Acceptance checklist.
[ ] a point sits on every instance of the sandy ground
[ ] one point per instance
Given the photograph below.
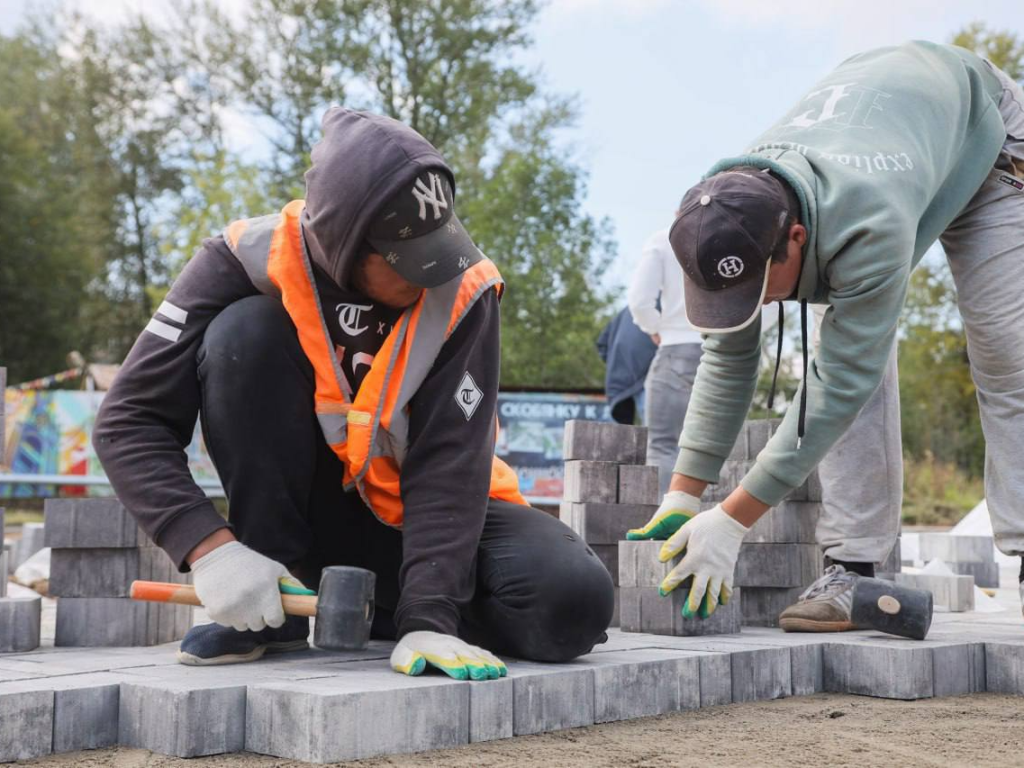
(981, 730)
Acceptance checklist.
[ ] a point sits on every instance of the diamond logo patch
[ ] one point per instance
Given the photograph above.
(468, 396)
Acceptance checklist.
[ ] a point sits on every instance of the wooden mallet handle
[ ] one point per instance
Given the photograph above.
(185, 594)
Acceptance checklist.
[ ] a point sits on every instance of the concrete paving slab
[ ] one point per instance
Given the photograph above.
(638, 485)
(887, 671)
(19, 623)
(89, 523)
(791, 522)
(955, 593)
(605, 523)
(593, 481)
(363, 713)
(1004, 668)
(807, 669)
(715, 679)
(763, 605)
(551, 697)
(604, 441)
(764, 673)
(85, 708)
(985, 575)
(645, 683)
(490, 704)
(778, 565)
(184, 719)
(958, 669)
(105, 621)
(108, 572)
(955, 548)
(26, 724)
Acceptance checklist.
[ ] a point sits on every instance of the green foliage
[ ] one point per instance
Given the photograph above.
(1003, 48)
(937, 395)
(525, 214)
(937, 492)
(53, 227)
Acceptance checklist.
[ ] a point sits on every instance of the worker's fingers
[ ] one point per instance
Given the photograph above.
(407, 661)
(697, 590)
(661, 526)
(675, 544)
(491, 660)
(726, 595)
(477, 666)
(711, 597)
(675, 577)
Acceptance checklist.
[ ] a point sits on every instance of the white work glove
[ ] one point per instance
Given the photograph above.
(455, 657)
(712, 543)
(676, 508)
(240, 587)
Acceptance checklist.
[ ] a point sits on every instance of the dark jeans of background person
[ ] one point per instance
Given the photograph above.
(541, 593)
(668, 387)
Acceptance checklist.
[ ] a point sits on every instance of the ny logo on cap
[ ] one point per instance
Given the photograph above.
(730, 267)
(432, 196)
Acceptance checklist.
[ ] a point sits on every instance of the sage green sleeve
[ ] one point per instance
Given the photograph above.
(722, 393)
(857, 335)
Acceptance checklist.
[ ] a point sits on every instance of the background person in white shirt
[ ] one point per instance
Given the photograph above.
(670, 378)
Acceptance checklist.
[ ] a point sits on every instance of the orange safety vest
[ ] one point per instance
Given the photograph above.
(369, 434)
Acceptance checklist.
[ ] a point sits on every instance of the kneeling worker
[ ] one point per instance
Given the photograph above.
(343, 359)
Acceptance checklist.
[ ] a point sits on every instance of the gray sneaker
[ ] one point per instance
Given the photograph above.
(824, 606)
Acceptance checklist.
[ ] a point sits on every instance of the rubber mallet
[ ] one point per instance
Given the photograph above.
(890, 608)
(343, 608)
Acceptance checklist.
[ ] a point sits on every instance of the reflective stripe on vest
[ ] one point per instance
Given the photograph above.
(369, 435)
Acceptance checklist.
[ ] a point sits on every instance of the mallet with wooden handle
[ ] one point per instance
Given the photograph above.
(343, 608)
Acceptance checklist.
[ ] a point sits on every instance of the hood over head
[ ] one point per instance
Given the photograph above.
(360, 162)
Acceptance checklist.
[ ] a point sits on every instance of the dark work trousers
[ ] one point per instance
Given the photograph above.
(541, 593)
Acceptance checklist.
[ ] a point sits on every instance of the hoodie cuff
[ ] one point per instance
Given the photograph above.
(427, 617)
(698, 465)
(183, 533)
(765, 487)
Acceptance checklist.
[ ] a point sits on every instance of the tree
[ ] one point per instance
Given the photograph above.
(55, 226)
(937, 394)
(447, 68)
(1003, 48)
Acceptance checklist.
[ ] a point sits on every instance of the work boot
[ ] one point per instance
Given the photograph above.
(824, 606)
(210, 644)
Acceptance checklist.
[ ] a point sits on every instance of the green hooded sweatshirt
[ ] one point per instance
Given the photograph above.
(883, 154)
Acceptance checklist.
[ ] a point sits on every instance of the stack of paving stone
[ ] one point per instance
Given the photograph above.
(31, 541)
(965, 555)
(97, 551)
(953, 592)
(19, 616)
(644, 609)
(608, 489)
(779, 558)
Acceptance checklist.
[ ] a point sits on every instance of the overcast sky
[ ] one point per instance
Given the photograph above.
(667, 87)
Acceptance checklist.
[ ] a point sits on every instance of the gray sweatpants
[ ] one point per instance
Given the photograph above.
(862, 477)
(667, 392)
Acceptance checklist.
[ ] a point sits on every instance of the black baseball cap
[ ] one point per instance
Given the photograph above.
(723, 238)
(419, 234)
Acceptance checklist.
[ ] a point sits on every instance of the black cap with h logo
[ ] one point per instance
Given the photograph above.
(723, 239)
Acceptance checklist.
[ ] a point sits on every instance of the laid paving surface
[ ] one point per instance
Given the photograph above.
(322, 707)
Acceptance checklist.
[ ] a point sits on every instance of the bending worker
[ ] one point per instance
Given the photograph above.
(343, 358)
(835, 205)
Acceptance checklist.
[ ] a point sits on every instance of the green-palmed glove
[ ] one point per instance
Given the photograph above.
(712, 544)
(675, 510)
(455, 657)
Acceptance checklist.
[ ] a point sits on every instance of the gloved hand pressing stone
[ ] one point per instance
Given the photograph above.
(712, 544)
(455, 657)
(676, 508)
(240, 588)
